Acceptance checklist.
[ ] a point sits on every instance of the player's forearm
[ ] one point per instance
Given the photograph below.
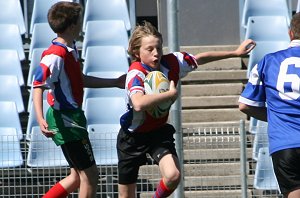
(95, 82)
(259, 113)
(206, 57)
(38, 102)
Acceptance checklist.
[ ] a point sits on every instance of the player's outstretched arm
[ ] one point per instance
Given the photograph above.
(95, 82)
(244, 48)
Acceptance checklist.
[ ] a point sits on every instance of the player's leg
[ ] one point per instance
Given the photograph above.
(88, 182)
(79, 155)
(126, 190)
(170, 171)
(294, 194)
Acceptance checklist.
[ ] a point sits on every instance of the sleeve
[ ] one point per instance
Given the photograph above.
(48, 70)
(135, 82)
(187, 63)
(254, 92)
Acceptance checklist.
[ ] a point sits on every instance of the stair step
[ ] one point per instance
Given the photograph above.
(215, 76)
(215, 154)
(207, 169)
(212, 115)
(207, 194)
(212, 89)
(196, 102)
(231, 127)
(211, 142)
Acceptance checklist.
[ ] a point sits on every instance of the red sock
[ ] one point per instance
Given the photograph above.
(162, 190)
(57, 191)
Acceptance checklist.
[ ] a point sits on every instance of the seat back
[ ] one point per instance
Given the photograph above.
(11, 39)
(10, 91)
(106, 58)
(9, 117)
(43, 152)
(10, 152)
(11, 65)
(106, 10)
(264, 8)
(105, 32)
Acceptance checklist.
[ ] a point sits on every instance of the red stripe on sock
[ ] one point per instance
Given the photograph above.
(57, 191)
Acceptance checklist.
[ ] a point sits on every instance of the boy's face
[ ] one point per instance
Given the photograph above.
(150, 51)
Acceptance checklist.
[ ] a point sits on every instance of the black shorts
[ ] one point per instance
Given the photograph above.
(287, 169)
(133, 149)
(79, 154)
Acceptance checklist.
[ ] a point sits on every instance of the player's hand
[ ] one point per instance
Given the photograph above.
(121, 81)
(44, 128)
(245, 47)
(173, 90)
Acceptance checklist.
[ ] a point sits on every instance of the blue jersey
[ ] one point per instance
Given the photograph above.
(275, 82)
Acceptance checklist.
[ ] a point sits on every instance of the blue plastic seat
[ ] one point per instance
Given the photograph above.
(40, 10)
(11, 13)
(42, 36)
(267, 28)
(264, 177)
(103, 92)
(11, 65)
(261, 138)
(105, 32)
(10, 152)
(43, 152)
(32, 119)
(9, 117)
(11, 39)
(34, 63)
(105, 58)
(264, 8)
(10, 91)
(262, 48)
(108, 10)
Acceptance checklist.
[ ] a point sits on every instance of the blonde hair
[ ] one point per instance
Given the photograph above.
(142, 30)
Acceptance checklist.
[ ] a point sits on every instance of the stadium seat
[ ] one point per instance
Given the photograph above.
(105, 58)
(106, 10)
(298, 6)
(104, 110)
(11, 13)
(43, 152)
(103, 92)
(105, 32)
(32, 120)
(11, 39)
(264, 8)
(42, 35)
(262, 48)
(264, 177)
(10, 152)
(11, 65)
(10, 91)
(9, 117)
(260, 139)
(267, 28)
(34, 63)
(104, 140)
(40, 11)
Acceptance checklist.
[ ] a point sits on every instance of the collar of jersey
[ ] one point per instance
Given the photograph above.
(148, 68)
(69, 49)
(295, 43)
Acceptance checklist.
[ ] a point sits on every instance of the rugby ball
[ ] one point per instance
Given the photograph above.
(156, 82)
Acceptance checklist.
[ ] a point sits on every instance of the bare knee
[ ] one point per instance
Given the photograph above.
(172, 179)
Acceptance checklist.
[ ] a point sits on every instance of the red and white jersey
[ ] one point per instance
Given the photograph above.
(60, 71)
(175, 66)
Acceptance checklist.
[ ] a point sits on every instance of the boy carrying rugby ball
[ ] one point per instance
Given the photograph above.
(142, 134)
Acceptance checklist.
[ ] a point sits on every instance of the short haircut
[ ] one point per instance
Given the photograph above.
(142, 30)
(63, 14)
(295, 25)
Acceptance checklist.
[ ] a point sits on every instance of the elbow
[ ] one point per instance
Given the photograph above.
(243, 108)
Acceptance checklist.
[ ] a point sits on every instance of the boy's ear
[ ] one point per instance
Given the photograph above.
(291, 34)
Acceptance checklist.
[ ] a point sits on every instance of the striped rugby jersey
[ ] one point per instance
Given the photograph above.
(60, 71)
(175, 66)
